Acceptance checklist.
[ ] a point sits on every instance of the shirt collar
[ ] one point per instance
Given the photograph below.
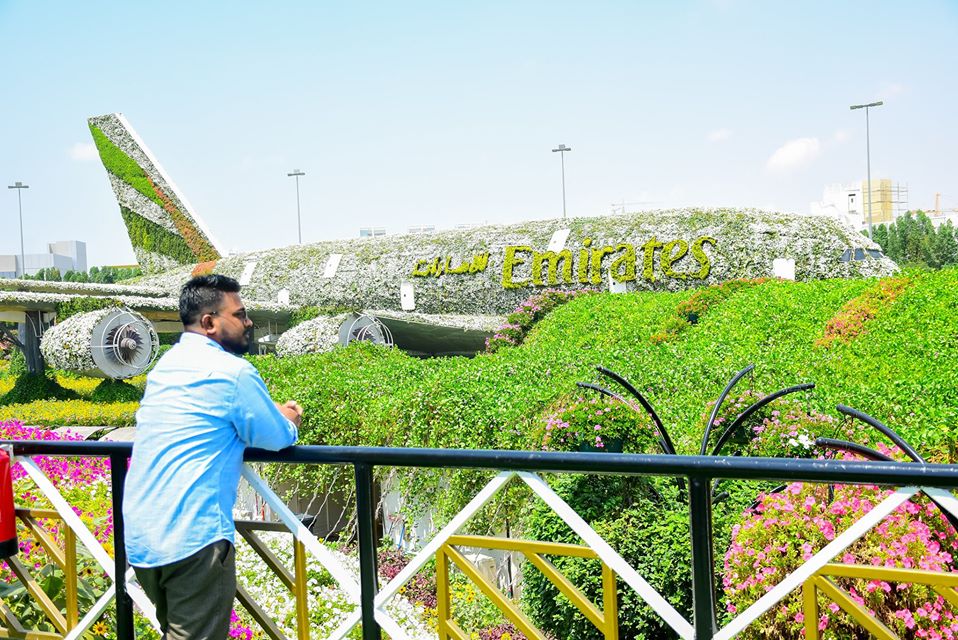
(188, 337)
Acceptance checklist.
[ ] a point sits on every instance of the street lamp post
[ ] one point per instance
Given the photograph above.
(299, 224)
(868, 158)
(19, 186)
(561, 149)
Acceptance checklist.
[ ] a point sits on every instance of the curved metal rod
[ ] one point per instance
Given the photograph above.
(780, 488)
(602, 390)
(612, 394)
(752, 409)
(718, 405)
(669, 447)
(854, 447)
(871, 454)
(894, 437)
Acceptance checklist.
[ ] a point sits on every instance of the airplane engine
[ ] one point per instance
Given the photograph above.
(112, 343)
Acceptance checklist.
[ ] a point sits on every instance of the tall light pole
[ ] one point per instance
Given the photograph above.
(561, 149)
(299, 224)
(19, 186)
(868, 158)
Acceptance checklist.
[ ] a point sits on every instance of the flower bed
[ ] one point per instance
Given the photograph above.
(786, 529)
(526, 315)
(598, 424)
(850, 321)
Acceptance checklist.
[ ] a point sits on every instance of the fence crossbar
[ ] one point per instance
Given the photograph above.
(73, 521)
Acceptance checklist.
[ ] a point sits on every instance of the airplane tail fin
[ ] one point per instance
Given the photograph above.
(163, 228)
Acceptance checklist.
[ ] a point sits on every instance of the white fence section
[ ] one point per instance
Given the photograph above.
(85, 536)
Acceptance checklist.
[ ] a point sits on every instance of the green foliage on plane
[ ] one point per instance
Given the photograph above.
(123, 166)
(149, 236)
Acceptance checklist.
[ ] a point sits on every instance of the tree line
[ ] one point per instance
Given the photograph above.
(100, 275)
(912, 239)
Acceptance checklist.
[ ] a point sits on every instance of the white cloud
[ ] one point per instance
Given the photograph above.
(842, 135)
(794, 154)
(84, 152)
(892, 89)
(719, 135)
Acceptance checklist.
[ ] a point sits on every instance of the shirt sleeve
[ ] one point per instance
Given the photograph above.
(258, 421)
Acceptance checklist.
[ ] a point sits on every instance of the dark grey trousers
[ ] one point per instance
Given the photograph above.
(194, 596)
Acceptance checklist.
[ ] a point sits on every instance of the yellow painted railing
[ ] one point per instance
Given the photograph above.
(944, 584)
(295, 581)
(65, 558)
(606, 620)
(37, 525)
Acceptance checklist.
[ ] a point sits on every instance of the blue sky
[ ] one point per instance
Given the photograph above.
(407, 113)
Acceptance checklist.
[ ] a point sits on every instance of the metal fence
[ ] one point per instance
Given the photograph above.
(698, 471)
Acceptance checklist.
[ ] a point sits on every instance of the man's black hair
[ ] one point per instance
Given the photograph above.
(204, 294)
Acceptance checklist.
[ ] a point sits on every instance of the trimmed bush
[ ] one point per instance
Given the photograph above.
(116, 391)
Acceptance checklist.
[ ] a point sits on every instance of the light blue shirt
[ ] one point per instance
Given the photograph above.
(202, 407)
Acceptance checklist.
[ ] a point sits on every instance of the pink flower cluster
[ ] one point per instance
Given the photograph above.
(595, 422)
(62, 472)
(519, 322)
(788, 528)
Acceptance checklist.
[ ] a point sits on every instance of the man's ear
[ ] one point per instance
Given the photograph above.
(206, 322)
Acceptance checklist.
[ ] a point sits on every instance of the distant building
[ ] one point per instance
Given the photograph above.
(372, 232)
(850, 202)
(66, 255)
(423, 228)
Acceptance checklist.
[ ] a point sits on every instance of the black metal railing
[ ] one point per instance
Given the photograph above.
(699, 471)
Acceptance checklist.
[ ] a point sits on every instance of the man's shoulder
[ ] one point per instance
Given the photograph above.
(206, 356)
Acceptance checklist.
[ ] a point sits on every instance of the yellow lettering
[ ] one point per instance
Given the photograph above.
(552, 271)
(623, 267)
(479, 263)
(648, 264)
(597, 255)
(509, 263)
(417, 271)
(698, 252)
(667, 259)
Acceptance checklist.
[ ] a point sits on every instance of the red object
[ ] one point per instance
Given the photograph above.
(8, 515)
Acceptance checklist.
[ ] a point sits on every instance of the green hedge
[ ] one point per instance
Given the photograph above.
(75, 306)
(149, 236)
(903, 369)
(123, 166)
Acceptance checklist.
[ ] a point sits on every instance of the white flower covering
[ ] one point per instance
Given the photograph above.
(466, 323)
(135, 201)
(328, 605)
(83, 288)
(318, 335)
(372, 270)
(67, 345)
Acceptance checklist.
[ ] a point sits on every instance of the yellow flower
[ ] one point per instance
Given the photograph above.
(506, 636)
(99, 629)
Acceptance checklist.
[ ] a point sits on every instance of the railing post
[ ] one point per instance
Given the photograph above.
(124, 605)
(703, 584)
(368, 572)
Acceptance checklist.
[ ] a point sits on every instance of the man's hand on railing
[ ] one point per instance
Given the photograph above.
(292, 411)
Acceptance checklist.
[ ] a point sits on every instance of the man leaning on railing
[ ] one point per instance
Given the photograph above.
(202, 407)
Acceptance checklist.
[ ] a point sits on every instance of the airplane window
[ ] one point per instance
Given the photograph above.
(859, 255)
(846, 256)
(875, 253)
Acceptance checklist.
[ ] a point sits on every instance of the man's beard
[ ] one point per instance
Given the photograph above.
(240, 346)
